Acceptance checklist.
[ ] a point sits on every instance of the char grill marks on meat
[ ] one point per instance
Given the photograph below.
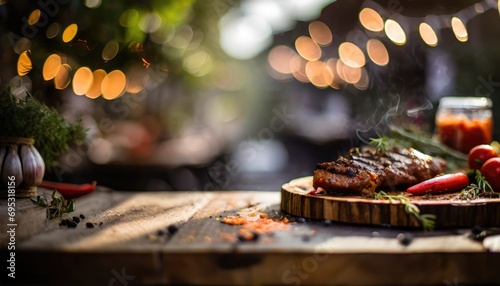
(365, 169)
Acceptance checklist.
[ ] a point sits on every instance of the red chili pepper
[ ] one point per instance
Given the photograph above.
(441, 184)
(70, 191)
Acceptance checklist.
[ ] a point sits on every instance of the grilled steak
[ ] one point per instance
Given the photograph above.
(365, 169)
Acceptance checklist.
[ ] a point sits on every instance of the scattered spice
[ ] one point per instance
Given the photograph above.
(404, 239)
(247, 235)
(71, 224)
(251, 229)
(160, 232)
(300, 220)
(90, 225)
(82, 216)
(76, 219)
(263, 215)
(172, 229)
(234, 220)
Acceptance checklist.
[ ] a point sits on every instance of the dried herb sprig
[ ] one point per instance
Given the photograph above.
(428, 220)
(57, 207)
(474, 190)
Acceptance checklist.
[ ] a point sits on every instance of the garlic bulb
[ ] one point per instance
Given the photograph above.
(32, 169)
(39, 161)
(12, 167)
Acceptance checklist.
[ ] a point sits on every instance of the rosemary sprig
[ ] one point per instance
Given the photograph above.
(383, 143)
(474, 190)
(426, 144)
(428, 220)
(57, 207)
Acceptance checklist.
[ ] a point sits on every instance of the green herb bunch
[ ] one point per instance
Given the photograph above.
(30, 118)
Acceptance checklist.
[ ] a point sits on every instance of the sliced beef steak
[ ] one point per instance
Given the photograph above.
(365, 169)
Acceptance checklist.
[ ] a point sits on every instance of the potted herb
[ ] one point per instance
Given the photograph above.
(32, 136)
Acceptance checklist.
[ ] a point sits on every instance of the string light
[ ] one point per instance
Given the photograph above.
(427, 34)
(351, 55)
(395, 32)
(306, 64)
(51, 66)
(377, 52)
(459, 29)
(371, 20)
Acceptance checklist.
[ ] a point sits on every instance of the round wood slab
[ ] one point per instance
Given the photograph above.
(450, 211)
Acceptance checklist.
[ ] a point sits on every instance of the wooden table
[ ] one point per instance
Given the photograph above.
(133, 246)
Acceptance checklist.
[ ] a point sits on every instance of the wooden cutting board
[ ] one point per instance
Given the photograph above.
(450, 211)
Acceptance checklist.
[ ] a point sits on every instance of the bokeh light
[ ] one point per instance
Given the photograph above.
(427, 34)
(320, 33)
(51, 66)
(34, 16)
(21, 45)
(377, 52)
(459, 29)
(52, 30)
(371, 20)
(244, 37)
(307, 48)
(351, 55)
(198, 64)
(331, 75)
(364, 81)
(395, 32)
(69, 33)
(298, 68)
(110, 50)
(129, 18)
(315, 73)
(92, 3)
(137, 77)
(279, 59)
(95, 90)
(113, 85)
(63, 77)
(348, 74)
(82, 80)
(150, 22)
(24, 64)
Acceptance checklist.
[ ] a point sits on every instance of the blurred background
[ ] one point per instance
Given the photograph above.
(227, 94)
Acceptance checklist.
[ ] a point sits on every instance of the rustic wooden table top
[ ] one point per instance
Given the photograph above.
(132, 244)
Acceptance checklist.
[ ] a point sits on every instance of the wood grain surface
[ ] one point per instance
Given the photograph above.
(449, 210)
(133, 246)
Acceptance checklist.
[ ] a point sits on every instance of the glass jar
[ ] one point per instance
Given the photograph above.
(464, 122)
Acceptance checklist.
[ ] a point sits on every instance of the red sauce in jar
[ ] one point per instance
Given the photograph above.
(462, 133)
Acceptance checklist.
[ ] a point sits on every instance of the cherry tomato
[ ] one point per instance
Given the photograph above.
(479, 155)
(491, 172)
